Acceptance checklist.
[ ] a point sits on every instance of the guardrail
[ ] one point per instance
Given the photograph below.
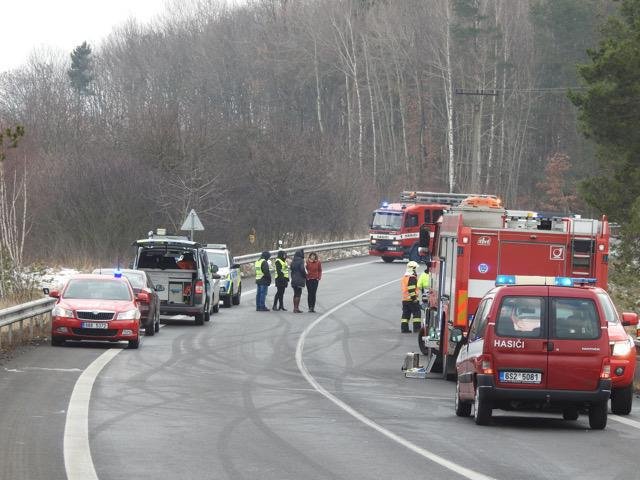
(320, 247)
(33, 316)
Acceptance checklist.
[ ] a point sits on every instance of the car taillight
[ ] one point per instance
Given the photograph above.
(485, 364)
(199, 287)
(605, 373)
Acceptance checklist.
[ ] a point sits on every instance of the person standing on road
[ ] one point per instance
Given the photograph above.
(410, 305)
(298, 278)
(314, 275)
(423, 285)
(282, 280)
(263, 280)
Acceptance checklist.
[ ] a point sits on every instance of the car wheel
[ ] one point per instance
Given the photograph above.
(57, 342)
(463, 409)
(207, 313)
(598, 416)
(482, 410)
(133, 344)
(199, 319)
(236, 298)
(226, 300)
(150, 329)
(621, 400)
(216, 307)
(570, 413)
(157, 322)
(388, 259)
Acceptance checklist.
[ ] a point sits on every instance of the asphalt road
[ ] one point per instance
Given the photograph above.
(277, 395)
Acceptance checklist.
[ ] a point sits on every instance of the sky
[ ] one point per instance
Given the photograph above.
(26, 25)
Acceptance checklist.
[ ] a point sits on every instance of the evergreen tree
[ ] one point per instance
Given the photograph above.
(610, 116)
(81, 71)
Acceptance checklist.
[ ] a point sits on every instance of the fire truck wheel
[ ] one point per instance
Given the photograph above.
(621, 400)
(447, 362)
(388, 259)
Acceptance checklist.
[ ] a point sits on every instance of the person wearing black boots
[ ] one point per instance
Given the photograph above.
(314, 275)
(282, 280)
(298, 279)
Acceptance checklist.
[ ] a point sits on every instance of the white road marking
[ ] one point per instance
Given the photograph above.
(77, 452)
(625, 420)
(454, 467)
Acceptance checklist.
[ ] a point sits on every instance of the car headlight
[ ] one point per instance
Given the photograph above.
(133, 314)
(622, 349)
(373, 241)
(59, 311)
(395, 242)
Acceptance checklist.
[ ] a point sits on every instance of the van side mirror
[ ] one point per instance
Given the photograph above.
(213, 268)
(457, 335)
(629, 319)
(235, 265)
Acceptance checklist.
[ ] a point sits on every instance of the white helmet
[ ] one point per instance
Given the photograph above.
(413, 265)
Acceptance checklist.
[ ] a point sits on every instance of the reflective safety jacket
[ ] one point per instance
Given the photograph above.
(409, 284)
(424, 281)
(282, 268)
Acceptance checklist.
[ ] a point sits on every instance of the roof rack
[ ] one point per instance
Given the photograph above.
(442, 198)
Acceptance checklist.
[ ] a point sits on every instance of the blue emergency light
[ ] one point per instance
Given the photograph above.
(505, 280)
(117, 273)
(563, 282)
(384, 205)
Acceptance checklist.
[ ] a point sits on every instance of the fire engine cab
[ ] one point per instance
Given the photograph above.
(479, 240)
(398, 229)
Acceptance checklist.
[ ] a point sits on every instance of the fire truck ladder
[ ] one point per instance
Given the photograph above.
(583, 246)
(451, 199)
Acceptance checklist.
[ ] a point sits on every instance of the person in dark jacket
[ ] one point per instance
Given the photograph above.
(314, 274)
(298, 279)
(282, 280)
(263, 280)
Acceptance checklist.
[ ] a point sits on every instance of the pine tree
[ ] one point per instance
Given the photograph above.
(81, 71)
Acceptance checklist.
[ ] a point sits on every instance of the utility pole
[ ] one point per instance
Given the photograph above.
(476, 150)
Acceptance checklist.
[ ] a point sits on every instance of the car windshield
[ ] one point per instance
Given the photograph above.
(387, 220)
(97, 289)
(217, 258)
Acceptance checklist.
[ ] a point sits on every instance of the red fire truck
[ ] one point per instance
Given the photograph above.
(396, 228)
(479, 240)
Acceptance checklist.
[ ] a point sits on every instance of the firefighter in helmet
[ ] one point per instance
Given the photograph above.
(410, 305)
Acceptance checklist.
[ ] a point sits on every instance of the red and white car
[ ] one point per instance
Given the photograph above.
(95, 307)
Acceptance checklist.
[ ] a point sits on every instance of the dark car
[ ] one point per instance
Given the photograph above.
(148, 305)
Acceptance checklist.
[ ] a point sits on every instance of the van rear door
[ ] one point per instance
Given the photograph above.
(519, 342)
(578, 340)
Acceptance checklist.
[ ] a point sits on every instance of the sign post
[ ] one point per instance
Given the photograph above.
(191, 223)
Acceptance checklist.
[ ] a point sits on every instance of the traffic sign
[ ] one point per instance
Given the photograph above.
(192, 222)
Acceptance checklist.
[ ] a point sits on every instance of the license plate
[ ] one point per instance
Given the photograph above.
(520, 377)
(103, 325)
(391, 249)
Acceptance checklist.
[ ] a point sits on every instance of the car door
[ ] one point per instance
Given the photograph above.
(578, 341)
(519, 344)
